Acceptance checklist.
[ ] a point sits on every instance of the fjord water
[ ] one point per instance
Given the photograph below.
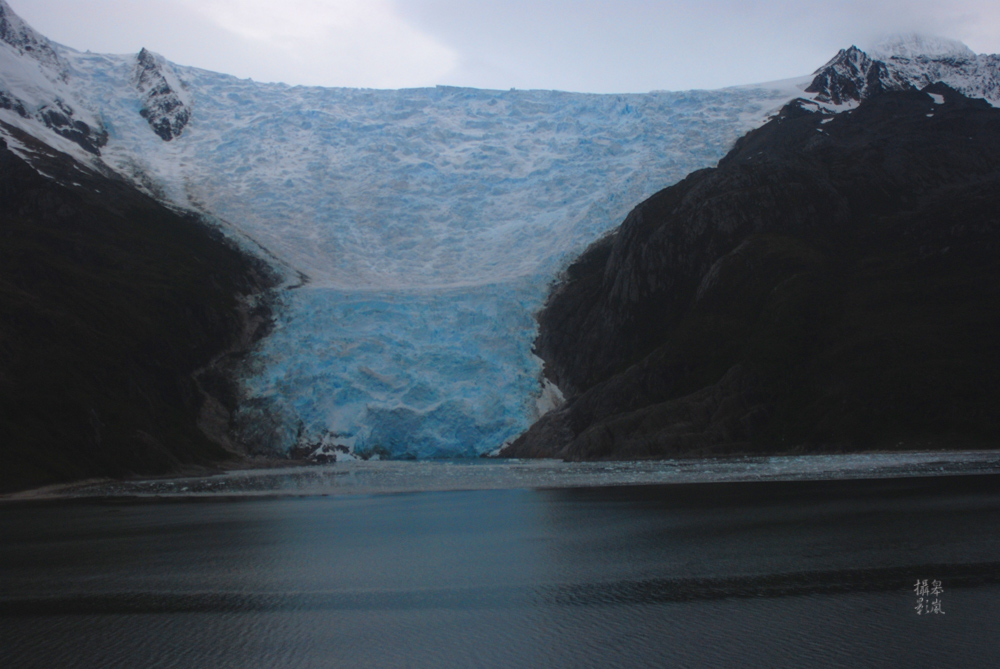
(792, 573)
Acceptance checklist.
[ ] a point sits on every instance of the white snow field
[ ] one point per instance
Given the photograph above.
(428, 223)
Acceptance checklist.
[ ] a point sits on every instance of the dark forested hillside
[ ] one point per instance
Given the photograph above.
(109, 305)
(833, 284)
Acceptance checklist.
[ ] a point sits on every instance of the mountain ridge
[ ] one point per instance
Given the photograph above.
(831, 285)
(121, 325)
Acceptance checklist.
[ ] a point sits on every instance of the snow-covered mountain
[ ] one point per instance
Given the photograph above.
(425, 225)
(36, 90)
(907, 61)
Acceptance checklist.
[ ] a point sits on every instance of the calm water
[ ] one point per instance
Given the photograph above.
(801, 573)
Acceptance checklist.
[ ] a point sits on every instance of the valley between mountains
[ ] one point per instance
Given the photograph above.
(196, 268)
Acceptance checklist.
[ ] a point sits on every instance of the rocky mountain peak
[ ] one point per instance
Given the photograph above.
(30, 58)
(18, 34)
(146, 59)
(906, 61)
(164, 103)
(851, 76)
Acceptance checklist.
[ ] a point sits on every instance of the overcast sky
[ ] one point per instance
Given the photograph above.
(578, 45)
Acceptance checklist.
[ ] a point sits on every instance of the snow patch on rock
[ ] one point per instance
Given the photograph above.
(551, 398)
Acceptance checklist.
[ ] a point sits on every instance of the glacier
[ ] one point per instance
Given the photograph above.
(425, 227)
(430, 224)
(419, 229)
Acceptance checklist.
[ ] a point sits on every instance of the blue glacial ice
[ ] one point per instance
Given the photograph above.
(429, 223)
(440, 372)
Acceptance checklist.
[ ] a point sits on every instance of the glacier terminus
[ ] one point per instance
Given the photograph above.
(419, 230)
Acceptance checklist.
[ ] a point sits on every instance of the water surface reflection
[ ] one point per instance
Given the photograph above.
(779, 574)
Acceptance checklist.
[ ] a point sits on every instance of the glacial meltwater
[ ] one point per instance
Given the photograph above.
(840, 561)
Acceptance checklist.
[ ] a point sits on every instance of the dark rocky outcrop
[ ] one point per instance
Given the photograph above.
(833, 284)
(60, 118)
(16, 33)
(162, 106)
(58, 115)
(121, 322)
(852, 76)
(9, 101)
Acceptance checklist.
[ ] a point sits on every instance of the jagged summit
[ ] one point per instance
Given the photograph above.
(851, 76)
(18, 34)
(35, 85)
(906, 61)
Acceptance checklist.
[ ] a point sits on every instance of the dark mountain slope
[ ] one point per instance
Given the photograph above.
(109, 303)
(833, 284)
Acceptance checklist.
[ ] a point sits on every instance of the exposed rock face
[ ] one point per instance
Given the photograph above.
(833, 283)
(904, 62)
(9, 101)
(56, 114)
(22, 37)
(163, 104)
(120, 321)
(60, 117)
(853, 76)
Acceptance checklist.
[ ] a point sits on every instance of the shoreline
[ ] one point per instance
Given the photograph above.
(268, 477)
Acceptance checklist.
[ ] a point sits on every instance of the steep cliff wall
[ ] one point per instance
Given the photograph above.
(110, 305)
(833, 284)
